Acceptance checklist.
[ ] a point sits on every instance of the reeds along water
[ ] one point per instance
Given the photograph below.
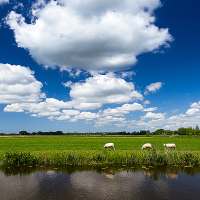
(102, 158)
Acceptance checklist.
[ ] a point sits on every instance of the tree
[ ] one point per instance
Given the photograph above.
(197, 128)
(23, 133)
(159, 132)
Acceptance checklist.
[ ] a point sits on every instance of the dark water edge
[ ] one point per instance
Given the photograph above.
(26, 170)
(99, 184)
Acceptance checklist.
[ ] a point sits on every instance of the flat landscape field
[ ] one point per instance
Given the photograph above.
(87, 143)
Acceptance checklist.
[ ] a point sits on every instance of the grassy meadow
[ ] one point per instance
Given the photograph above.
(61, 151)
(87, 143)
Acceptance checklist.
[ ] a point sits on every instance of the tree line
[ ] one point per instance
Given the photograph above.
(180, 131)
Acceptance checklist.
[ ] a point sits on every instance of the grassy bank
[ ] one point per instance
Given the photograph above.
(102, 159)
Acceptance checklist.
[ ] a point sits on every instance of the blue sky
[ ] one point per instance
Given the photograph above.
(70, 68)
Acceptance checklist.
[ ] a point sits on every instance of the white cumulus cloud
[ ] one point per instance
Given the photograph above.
(91, 94)
(153, 87)
(90, 34)
(104, 89)
(194, 109)
(122, 110)
(154, 116)
(95, 92)
(52, 109)
(48, 107)
(18, 84)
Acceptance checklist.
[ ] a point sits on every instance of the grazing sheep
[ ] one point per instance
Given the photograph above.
(109, 146)
(147, 146)
(170, 146)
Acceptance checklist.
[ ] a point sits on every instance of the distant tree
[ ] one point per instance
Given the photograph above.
(59, 133)
(23, 133)
(197, 128)
(144, 132)
(159, 132)
(185, 131)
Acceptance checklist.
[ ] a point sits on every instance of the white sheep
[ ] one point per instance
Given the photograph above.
(147, 146)
(109, 146)
(170, 146)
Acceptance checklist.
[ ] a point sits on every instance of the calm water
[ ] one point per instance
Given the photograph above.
(92, 185)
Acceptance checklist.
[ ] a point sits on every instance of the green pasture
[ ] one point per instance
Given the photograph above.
(89, 143)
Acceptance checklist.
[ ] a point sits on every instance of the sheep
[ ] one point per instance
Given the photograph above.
(147, 146)
(170, 146)
(109, 146)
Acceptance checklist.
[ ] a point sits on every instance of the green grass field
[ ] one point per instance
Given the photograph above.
(61, 151)
(87, 143)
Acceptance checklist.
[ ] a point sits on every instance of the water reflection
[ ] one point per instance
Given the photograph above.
(106, 185)
(155, 174)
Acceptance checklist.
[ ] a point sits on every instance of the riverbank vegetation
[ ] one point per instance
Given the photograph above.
(102, 159)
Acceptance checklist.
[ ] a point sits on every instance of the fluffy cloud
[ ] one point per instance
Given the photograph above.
(117, 114)
(90, 34)
(18, 84)
(20, 90)
(153, 87)
(52, 109)
(154, 116)
(103, 89)
(64, 111)
(153, 121)
(22, 93)
(194, 109)
(150, 120)
(91, 94)
(4, 1)
(86, 116)
(49, 107)
(150, 109)
(172, 122)
(122, 110)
